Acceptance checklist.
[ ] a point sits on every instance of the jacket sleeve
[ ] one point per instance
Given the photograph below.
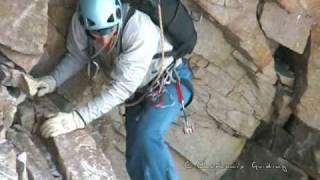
(140, 44)
(76, 57)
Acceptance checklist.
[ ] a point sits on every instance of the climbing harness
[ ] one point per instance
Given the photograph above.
(157, 88)
(157, 81)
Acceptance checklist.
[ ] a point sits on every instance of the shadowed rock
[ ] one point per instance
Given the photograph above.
(23, 31)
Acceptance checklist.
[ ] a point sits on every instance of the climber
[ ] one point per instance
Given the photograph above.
(97, 27)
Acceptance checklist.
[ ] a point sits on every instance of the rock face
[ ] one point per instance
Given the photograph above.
(227, 84)
(310, 7)
(297, 143)
(304, 151)
(36, 164)
(258, 163)
(22, 38)
(23, 31)
(7, 162)
(77, 154)
(240, 25)
(282, 27)
(18, 79)
(59, 16)
(81, 159)
(7, 110)
(245, 127)
(308, 110)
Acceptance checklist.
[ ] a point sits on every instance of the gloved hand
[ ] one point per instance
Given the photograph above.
(46, 84)
(61, 123)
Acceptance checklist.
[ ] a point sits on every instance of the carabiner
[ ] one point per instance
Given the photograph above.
(96, 69)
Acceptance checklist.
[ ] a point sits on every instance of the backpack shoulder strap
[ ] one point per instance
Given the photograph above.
(130, 13)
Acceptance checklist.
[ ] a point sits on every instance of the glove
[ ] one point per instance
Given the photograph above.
(61, 123)
(46, 84)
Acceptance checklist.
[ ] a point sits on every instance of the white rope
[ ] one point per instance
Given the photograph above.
(157, 81)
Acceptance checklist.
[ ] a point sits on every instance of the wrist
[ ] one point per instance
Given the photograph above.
(52, 81)
(79, 121)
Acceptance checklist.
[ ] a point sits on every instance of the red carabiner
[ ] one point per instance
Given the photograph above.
(179, 93)
(188, 126)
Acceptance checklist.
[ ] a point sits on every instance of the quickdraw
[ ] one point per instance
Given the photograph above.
(95, 69)
(188, 125)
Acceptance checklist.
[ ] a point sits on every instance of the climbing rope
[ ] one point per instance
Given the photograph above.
(158, 82)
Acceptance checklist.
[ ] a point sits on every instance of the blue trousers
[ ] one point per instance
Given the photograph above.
(147, 154)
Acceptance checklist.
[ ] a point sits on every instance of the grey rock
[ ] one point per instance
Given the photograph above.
(234, 98)
(2, 131)
(36, 165)
(292, 6)
(308, 109)
(256, 162)
(44, 107)
(304, 152)
(274, 138)
(227, 14)
(16, 78)
(235, 95)
(10, 76)
(55, 49)
(311, 8)
(113, 145)
(227, 3)
(7, 162)
(209, 36)
(290, 30)
(250, 66)
(59, 19)
(25, 61)
(241, 28)
(81, 158)
(22, 166)
(7, 110)
(207, 144)
(186, 170)
(5, 61)
(24, 29)
(118, 163)
(26, 115)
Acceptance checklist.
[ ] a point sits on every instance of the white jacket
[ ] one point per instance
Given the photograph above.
(134, 67)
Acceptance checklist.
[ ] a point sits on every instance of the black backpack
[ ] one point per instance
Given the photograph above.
(177, 23)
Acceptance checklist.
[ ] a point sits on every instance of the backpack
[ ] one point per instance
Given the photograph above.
(178, 26)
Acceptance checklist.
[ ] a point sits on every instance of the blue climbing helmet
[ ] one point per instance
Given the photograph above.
(100, 16)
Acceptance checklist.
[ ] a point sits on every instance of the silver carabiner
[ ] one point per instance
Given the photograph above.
(96, 69)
